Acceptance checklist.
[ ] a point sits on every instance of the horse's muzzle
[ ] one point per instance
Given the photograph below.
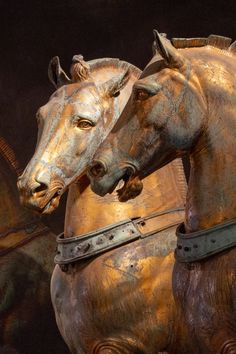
(98, 169)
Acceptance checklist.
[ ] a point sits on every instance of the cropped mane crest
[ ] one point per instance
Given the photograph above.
(113, 62)
(165, 52)
(213, 40)
(79, 69)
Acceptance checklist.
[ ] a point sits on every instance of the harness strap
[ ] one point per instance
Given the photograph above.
(93, 243)
(19, 236)
(199, 245)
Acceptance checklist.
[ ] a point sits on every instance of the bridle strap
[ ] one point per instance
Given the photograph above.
(82, 247)
(202, 244)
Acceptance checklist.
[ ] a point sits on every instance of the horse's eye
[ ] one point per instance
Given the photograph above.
(141, 95)
(83, 124)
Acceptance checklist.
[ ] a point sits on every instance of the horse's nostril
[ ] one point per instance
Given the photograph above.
(98, 169)
(41, 188)
(41, 183)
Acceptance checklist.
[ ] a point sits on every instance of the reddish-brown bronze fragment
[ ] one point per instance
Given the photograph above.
(27, 323)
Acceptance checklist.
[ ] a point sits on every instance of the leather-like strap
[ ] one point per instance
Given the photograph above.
(202, 244)
(20, 235)
(91, 244)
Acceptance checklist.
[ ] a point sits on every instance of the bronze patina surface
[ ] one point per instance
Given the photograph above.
(184, 102)
(121, 301)
(27, 323)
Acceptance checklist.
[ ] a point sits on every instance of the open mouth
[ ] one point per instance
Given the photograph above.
(124, 181)
(46, 203)
(131, 188)
(52, 204)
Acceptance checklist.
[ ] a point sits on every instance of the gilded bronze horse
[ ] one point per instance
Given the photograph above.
(184, 103)
(120, 301)
(27, 322)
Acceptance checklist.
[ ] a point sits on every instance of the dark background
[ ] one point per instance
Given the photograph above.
(34, 31)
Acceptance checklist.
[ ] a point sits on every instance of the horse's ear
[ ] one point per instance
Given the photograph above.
(113, 86)
(56, 74)
(168, 52)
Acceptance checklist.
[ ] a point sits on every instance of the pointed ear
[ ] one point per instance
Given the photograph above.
(56, 74)
(113, 86)
(168, 52)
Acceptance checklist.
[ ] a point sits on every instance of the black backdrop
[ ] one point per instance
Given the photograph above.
(33, 31)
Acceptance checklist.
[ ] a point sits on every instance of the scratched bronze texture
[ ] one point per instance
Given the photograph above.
(122, 301)
(184, 103)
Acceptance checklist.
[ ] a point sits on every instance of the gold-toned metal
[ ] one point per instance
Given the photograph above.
(162, 191)
(189, 107)
(121, 301)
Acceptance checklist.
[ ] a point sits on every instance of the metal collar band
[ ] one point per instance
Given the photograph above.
(91, 244)
(202, 244)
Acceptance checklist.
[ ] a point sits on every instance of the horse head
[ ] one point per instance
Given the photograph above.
(72, 124)
(165, 114)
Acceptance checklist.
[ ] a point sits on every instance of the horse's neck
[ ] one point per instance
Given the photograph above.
(11, 212)
(212, 185)
(87, 212)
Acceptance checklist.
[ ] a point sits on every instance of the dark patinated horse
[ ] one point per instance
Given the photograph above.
(27, 322)
(119, 301)
(185, 102)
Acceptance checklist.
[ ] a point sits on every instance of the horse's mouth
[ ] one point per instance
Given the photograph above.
(52, 204)
(45, 204)
(132, 187)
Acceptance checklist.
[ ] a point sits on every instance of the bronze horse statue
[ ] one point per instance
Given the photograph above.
(118, 301)
(27, 321)
(184, 103)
